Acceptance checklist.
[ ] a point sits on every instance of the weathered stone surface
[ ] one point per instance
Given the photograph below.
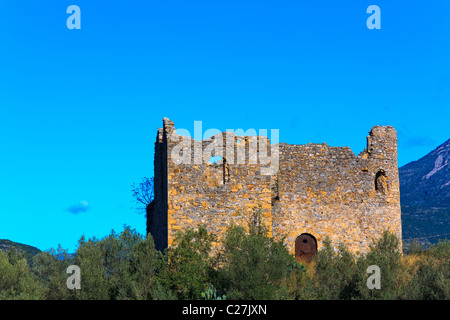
(318, 189)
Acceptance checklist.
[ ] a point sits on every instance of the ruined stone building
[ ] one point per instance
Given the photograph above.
(315, 191)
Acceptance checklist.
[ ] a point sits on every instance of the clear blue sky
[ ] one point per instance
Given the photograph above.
(79, 109)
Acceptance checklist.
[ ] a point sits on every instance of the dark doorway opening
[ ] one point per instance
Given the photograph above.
(305, 247)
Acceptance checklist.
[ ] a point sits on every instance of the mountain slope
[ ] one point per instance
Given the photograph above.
(27, 250)
(425, 196)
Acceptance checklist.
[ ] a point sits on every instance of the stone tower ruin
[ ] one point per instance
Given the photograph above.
(315, 191)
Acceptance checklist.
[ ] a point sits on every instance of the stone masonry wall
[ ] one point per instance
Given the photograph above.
(211, 194)
(329, 191)
(157, 209)
(318, 189)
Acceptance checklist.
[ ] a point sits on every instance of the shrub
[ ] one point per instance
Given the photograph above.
(431, 280)
(189, 269)
(119, 266)
(50, 266)
(17, 282)
(253, 265)
(384, 253)
(335, 272)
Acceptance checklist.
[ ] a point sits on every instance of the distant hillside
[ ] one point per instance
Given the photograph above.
(27, 250)
(425, 196)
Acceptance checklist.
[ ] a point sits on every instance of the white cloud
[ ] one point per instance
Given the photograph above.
(83, 206)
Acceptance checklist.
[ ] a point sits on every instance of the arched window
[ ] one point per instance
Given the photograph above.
(215, 160)
(381, 183)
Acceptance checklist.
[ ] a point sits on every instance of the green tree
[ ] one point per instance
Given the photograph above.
(335, 272)
(50, 266)
(17, 282)
(431, 281)
(119, 266)
(254, 265)
(131, 264)
(384, 253)
(90, 257)
(189, 268)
